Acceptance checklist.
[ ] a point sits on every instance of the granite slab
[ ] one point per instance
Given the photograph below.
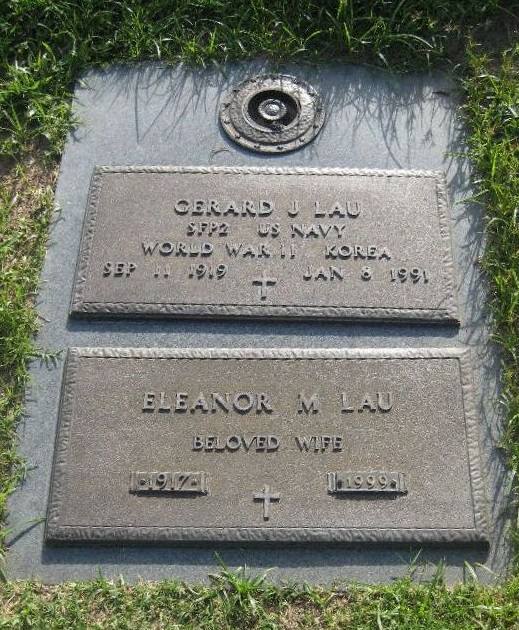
(168, 116)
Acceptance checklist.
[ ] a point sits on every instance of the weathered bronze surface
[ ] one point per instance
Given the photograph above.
(249, 242)
(272, 113)
(163, 445)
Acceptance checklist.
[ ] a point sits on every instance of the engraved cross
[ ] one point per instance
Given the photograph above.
(264, 282)
(266, 496)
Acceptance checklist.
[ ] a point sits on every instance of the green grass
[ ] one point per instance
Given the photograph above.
(44, 47)
(492, 116)
(242, 601)
(492, 112)
(45, 44)
(25, 207)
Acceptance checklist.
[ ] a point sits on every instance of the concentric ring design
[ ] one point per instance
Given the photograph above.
(272, 113)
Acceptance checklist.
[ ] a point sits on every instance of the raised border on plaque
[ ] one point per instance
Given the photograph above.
(445, 308)
(58, 531)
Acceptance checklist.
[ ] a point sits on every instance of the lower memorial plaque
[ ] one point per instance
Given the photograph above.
(253, 242)
(259, 445)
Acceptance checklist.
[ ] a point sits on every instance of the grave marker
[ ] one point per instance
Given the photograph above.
(165, 446)
(265, 242)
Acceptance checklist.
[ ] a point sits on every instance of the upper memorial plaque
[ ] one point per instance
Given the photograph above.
(265, 242)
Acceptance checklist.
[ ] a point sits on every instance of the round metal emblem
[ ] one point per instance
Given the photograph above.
(272, 113)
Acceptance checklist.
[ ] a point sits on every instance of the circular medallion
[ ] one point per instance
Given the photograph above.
(272, 113)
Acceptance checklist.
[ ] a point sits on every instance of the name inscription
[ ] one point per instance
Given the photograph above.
(266, 243)
(251, 445)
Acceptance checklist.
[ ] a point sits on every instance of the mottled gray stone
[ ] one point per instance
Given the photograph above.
(153, 115)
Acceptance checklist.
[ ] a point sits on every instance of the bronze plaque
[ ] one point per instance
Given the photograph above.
(260, 242)
(272, 445)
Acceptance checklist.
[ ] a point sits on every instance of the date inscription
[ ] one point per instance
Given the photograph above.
(261, 242)
(168, 482)
(366, 482)
(248, 445)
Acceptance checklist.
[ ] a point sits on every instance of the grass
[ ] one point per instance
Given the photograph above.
(25, 208)
(243, 601)
(492, 111)
(45, 44)
(44, 47)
